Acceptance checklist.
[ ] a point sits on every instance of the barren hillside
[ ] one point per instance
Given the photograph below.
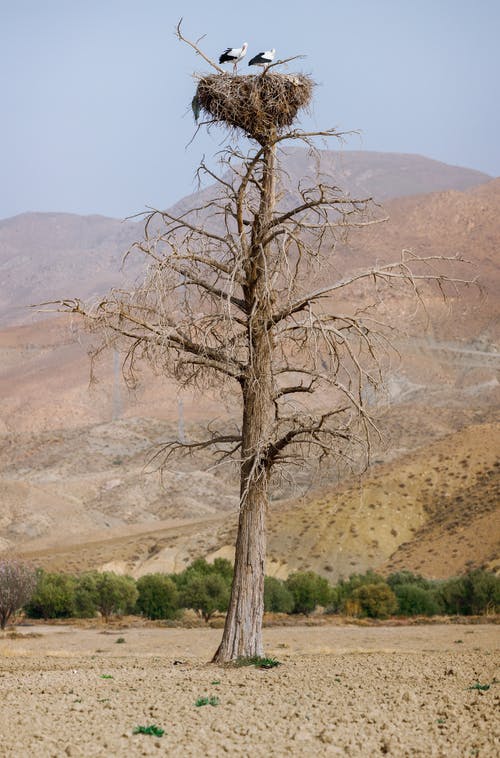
(434, 511)
(75, 491)
(46, 256)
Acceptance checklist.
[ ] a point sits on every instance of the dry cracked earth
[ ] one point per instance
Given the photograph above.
(425, 690)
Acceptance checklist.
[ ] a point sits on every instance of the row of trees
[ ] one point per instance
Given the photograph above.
(206, 589)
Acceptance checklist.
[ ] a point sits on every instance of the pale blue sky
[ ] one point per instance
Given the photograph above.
(95, 94)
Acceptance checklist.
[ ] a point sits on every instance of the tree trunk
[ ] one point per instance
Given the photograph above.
(242, 637)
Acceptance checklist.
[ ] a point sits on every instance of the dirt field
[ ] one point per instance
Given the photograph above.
(341, 690)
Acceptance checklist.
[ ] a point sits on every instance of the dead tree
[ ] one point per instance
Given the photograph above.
(235, 297)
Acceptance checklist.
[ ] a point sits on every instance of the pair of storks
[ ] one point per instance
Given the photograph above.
(235, 54)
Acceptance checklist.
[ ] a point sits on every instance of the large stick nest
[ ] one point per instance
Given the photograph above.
(258, 105)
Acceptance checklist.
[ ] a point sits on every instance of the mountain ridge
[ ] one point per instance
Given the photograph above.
(70, 449)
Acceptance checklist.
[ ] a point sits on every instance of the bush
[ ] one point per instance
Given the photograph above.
(414, 600)
(342, 600)
(400, 578)
(158, 596)
(308, 591)
(483, 589)
(86, 594)
(475, 592)
(277, 596)
(220, 566)
(375, 600)
(205, 587)
(54, 596)
(17, 584)
(204, 593)
(114, 593)
(224, 568)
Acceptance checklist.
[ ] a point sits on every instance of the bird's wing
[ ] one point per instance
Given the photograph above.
(256, 59)
(195, 105)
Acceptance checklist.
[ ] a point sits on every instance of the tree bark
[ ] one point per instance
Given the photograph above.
(242, 637)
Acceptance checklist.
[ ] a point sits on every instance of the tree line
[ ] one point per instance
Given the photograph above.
(205, 588)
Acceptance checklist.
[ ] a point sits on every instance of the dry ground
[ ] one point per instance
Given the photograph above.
(341, 690)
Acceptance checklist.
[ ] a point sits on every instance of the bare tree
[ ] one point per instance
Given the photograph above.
(17, 584)
(235, 296)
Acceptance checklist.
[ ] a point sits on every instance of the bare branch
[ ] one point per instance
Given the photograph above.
(399, 271)
(195, 47)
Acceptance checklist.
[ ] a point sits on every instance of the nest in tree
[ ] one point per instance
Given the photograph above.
(258, 105)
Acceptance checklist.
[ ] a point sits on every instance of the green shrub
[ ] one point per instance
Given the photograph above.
(204, 593)
(114, 593)
(158, 596)
(308, 591)
(342, 594)
(86, 595)
(474, 593)
(223, 567)
(375, 600)
(414, 600)
(220, 566)
(54, 596)
(277, 596)
(484, 591)
(205, 587)
(407, 577)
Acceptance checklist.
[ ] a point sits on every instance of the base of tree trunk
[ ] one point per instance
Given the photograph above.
(242, 636)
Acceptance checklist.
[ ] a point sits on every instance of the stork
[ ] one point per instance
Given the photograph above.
(234, 55)
(263, 59)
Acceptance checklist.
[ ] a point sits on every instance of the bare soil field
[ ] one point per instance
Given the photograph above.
(340, 690)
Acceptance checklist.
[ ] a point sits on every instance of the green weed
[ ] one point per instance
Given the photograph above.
(152, 729)
(480, 687)
(207, 701)
(258, 661)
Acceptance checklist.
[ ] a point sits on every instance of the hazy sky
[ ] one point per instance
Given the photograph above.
(95, 94)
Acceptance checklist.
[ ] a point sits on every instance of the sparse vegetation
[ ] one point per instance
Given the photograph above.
(207, 701)
(480, 687)
(152, 729)
(260, 662)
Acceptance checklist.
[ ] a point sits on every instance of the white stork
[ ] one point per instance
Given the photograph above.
(263, 59)
(234, 55)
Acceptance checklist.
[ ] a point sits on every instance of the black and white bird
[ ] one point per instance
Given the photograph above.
(234, 55)
(263, 59)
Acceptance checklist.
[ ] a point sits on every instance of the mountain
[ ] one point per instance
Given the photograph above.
(383, 176)
(46, 256)
(432, 512)
(50, 256)
(72, 455)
